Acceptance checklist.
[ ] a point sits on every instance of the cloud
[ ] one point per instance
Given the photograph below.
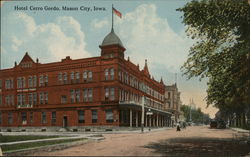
(146, 35)
(98, 24)
(49, 42)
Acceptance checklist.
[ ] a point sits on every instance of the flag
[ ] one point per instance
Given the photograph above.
(117, 12)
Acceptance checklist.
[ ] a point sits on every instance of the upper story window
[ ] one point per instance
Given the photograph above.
(119, 75)
(1, 101)
(77, 95)
(109, 74)
(169, 95)
(1, 84)
(63, 99)
(112, 73)
(77, 77)
(90, 75)
(46, 80)
(9, 83)
(110, 93)
(87, 76)
(106, 74)
(87, 94)
(65, 77)
(72, 75)
(41, 80)
(9, 100)
(72, 95)
(34, 81)
(60, 76)
(30, 81)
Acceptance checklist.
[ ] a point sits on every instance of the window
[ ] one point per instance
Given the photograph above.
(8, 83)
(41, 80)
(7, 100)
(106, 93)
(77, 77)
(23, 99)
(46, 97)
(1, 101)
(41, 98)
(112, 93)
(10, 118)
(30, 97)
(63, 99)
(109, 116)
(53, 120)
(85, 95)
(72, 95)
(31, 117)
(77, 95)
(24, 118)
(106, 74)
(19, 99)
(65, 78)
(30, 81)
(19, 82)
(90, 75)
(112, 73)
(94, 116)
(34, 99)
(0, 84)
(60, 76)
(81, 116)
(34, 81)
(23, 82)
(72, 75)
(85, 75)
(119, 75)
(0, 117)
(169, 95)
(90, 94)
(44, 118)
(46, 80)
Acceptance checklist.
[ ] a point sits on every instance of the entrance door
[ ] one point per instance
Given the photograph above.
(65, 121)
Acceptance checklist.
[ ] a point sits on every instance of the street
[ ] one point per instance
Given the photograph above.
(193, 141)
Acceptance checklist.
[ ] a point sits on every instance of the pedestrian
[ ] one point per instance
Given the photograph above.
(178, 127)
(184, 125)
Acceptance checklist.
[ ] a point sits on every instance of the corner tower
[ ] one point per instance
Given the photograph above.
(112, 46)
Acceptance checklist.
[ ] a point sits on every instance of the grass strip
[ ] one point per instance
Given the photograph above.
(10, 138)
(6, 148)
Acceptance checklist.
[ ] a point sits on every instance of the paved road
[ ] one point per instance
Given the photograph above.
(137, 144)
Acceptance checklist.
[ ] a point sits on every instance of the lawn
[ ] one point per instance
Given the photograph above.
(6, 148)
(4, 139)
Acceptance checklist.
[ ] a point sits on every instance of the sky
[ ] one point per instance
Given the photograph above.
(148, 29)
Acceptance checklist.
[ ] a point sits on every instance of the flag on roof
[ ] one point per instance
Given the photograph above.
(117, 12)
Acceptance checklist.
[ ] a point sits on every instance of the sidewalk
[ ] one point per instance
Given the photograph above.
(241, 133)
(72, 135)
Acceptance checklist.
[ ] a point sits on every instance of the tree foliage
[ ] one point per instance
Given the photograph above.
(221, 53)
(196, 114)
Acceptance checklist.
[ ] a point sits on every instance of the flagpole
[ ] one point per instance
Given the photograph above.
(112, 18)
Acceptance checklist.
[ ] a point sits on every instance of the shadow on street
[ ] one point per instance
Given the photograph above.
(197, 146)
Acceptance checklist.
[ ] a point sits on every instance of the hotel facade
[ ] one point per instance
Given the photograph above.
(102, 92)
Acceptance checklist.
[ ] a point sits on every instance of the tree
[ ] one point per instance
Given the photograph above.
(222, 50)
(197, 115)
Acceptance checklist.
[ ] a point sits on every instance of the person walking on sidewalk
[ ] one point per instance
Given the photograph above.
(178, 127)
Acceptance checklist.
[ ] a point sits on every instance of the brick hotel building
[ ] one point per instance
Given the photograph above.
(82, 94)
